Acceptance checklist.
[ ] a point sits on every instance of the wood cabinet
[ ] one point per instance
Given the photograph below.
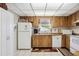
(73, 19)
(77, 15)
(30, 19)
(63, 43)
(36, 22)
(76, 53)
(47, 41)
(64, 21)
(68, 42)
(56, 21)
(60, 21)
(35, 41)
(69, 24)
(41, 41)
(26, 18)
(3, 5)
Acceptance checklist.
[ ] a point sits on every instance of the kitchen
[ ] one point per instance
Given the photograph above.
(39, 27)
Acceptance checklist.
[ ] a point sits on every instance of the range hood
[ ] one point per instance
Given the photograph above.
(76, 21)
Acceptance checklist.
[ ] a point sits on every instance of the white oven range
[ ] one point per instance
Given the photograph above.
(74, 43)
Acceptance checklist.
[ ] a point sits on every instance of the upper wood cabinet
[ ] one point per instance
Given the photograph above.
(72, 18)
(25, 19)
(77, 15)
(30, 19)
(3, 5)
(64, 21)
(36, 22)
(69, 24)
(60, 21)
(56, 21)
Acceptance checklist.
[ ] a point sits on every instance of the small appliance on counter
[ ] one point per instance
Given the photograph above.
(35, 30)
(55, 30)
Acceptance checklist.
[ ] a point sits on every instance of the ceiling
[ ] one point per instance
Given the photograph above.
(43, 9)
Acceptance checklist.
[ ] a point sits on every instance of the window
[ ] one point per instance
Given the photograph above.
(45, 25)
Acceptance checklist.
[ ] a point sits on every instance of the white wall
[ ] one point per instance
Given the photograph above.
(15, 22)
(15, 31)
(16, 17)
(10, 23)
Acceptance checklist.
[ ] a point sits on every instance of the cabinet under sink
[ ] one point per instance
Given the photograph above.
(47, 41)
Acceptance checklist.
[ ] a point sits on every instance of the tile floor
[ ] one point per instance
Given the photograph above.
(29, 53)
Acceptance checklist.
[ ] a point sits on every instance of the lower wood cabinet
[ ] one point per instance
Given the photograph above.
(68, 42)
(42, 41)
(48, 41)
(63, 43)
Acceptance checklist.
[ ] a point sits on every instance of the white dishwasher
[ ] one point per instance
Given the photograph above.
(56, 41)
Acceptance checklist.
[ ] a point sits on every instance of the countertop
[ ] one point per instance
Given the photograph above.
(48, 34)
(76, 53)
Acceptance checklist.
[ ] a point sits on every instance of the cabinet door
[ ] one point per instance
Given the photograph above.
(34, 41)
(56, 41)
(77, 15)
(59, 21)
(63, 41)
(73, 19)
(36, 22)
(64, 21)
(69, 23)
(41, 41)
(68, 42)
(56, 21)
(47, 41)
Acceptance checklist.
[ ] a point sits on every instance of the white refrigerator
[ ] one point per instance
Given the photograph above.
(24, 35)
